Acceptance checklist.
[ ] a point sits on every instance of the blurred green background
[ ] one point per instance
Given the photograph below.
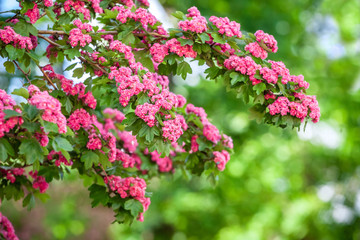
(279, 184)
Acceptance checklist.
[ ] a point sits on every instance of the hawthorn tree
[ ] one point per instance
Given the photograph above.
(122, 125)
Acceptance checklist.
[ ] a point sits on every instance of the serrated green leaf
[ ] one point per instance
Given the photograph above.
(134, 206)
(50, 127)
(183, 69)
(8, 147)
(30, 111)
(14, 53)
(179, 15)
(21, 92)
(61, 143)
(10, 113)
(32, 150)
(9, 67)
(89, 158)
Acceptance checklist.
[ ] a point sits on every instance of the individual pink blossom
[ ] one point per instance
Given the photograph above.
(227, 141)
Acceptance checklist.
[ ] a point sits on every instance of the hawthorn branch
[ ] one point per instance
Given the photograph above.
(49, 40)
(26, 74)
(94, 65)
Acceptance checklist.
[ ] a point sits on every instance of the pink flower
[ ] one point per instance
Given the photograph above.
(147, 113)
(211, 133)
(226, 27)
(267, 39)
(221, 158)
(79, 118)
(257, 51)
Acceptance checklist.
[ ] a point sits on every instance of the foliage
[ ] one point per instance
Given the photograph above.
(61, 124)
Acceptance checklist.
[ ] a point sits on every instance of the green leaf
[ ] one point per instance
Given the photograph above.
(212, 72)
(89, 158)
(32, 150)
(33, 56)
(21, 92)
(31, 111)
(204, 37)
(70, 67)
(218, 38)
(29, 201)
(3, 152)
(50, 127)
(61, 143)
(25, 29)
(8, 147)
(50, 13)
(72, 53)
(78, 73)
(185, 41)
(179, 15)
(134, 206)
(68, 105)
(14, 53)
(31, 126)
(183, 69)
(259, 88)
(236, 77)
(98, 194)
(9, 67)
(10, 113)
(64, 19)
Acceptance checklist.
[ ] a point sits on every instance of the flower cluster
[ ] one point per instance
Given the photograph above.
(257, 51)
(6, 229)
(140, 15)
(226, 27)
(11, 173)
(147, 113)
(48, 3)
(79, 118)
(69, 88)
(7, 103)
(83, 26)
(51, 106)
(33, 14)
(211, 133)
(123, 48)
(59, 158)
(172, 129)
(8, 35)
(174, 46)
(221, 158)
(164, 164)
(284, 106)
(130, 187)
(77, 37)
(42, 137)
(39, 181)
(159, 52)
(197, 23)
(266, 39)
(78, 6)
(194, 144)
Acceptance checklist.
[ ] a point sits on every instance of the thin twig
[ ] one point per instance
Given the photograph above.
(93, 64)
(49, 40)
(26, 75)
(47, 77)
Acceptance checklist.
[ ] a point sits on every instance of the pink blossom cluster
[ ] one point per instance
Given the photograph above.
(227, 141)
(143, 16)
(197, 23)
(174, 46)
(94, 142)
(198, 111)
(172, 129)
(226, 27)
(77, 37)
(33, 13)
(164, 164)
(150, 81)
(280, 69)
(266, 39)
(48, 3)
(166, 99)
(128, 84)
(147, 113)
(70, 89)
(42, 137)
(95, 4)
(211, 133)
(129, 141)
(83, 26)
(127, 160)
(8, 35)
(7, 103)
(59, 158)
(194, 144)
(39, 182)
(79, 118)
(6, 229)
(159, 52)
(78, 6)
(51, 106)
(114, 114)
(11, 173)
(122, 48)
(284, 106)
(256, 50)
(244, 65)
(124, 13)
(130, 187)
(221, 158)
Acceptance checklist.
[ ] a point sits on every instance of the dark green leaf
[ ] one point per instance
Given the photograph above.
(134, 206)
(62, 143)
(89, 158)
(32, 150)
